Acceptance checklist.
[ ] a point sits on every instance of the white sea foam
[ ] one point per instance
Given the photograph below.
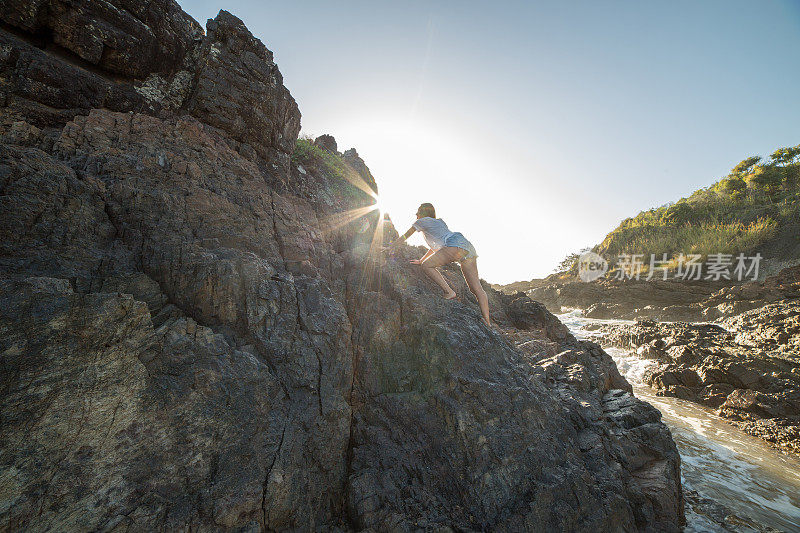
(718, 460)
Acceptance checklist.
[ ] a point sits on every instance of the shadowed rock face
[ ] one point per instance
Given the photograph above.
(194, 333)
(239, 89)
(124, 37)
(59, 59)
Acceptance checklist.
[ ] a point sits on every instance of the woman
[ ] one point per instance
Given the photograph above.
(446, 247)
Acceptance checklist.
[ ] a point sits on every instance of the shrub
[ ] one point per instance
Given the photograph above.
(736, 214)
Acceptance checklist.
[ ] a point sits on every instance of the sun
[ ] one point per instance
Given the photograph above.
(378, 204)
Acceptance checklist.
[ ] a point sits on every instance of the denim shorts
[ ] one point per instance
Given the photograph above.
(459, 241)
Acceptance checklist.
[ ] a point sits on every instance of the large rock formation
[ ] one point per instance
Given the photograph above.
(198, 333)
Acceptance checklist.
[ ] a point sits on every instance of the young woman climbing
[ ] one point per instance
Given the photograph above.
(446, 247)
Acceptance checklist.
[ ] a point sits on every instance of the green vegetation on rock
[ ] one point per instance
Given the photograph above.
(308, 153)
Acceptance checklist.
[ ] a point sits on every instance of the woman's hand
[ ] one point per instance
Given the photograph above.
(422, 259)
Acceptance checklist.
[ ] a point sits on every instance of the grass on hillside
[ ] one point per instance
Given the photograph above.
(700, 238)
(737, 214)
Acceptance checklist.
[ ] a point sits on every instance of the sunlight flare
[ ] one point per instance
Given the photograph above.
(342, 218)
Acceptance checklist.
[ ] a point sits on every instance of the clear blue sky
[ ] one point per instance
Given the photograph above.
(535, 127)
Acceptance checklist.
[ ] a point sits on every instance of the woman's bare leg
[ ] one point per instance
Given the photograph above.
(441, 257)
(469, 267)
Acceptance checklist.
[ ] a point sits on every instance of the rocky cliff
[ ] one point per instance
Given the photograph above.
(198, 329)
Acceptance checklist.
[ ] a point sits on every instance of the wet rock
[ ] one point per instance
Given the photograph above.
(722, 517)
(745, 369)
(715, 394)
(599, 310)
(682, 354)
(744, 403)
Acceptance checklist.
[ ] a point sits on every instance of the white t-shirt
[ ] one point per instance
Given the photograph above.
(435, 231)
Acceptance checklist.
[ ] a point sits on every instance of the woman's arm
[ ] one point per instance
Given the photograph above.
(403, 237)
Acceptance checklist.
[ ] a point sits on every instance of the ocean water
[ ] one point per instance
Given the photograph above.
(718, 460)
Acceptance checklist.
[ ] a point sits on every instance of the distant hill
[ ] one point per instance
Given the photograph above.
(755, 208)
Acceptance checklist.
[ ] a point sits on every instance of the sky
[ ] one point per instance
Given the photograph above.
(536, 127)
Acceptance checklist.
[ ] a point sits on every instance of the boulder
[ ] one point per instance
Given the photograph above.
(326, 142)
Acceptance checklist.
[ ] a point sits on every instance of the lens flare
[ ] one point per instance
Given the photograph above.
(378, 204)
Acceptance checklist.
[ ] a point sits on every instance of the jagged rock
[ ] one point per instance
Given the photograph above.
(49, 213)
(355, 162)
(774, 327)
(59, 59)
(326, 142)
(126, 38)
(609, 298)
(197, 334)
(39, 88)
(64, 59)
(239, 90)
(108, 421)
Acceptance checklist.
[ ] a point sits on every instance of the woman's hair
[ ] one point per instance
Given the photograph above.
(427, 210)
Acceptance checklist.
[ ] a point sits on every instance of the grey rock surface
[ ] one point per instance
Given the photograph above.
(198, 332)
